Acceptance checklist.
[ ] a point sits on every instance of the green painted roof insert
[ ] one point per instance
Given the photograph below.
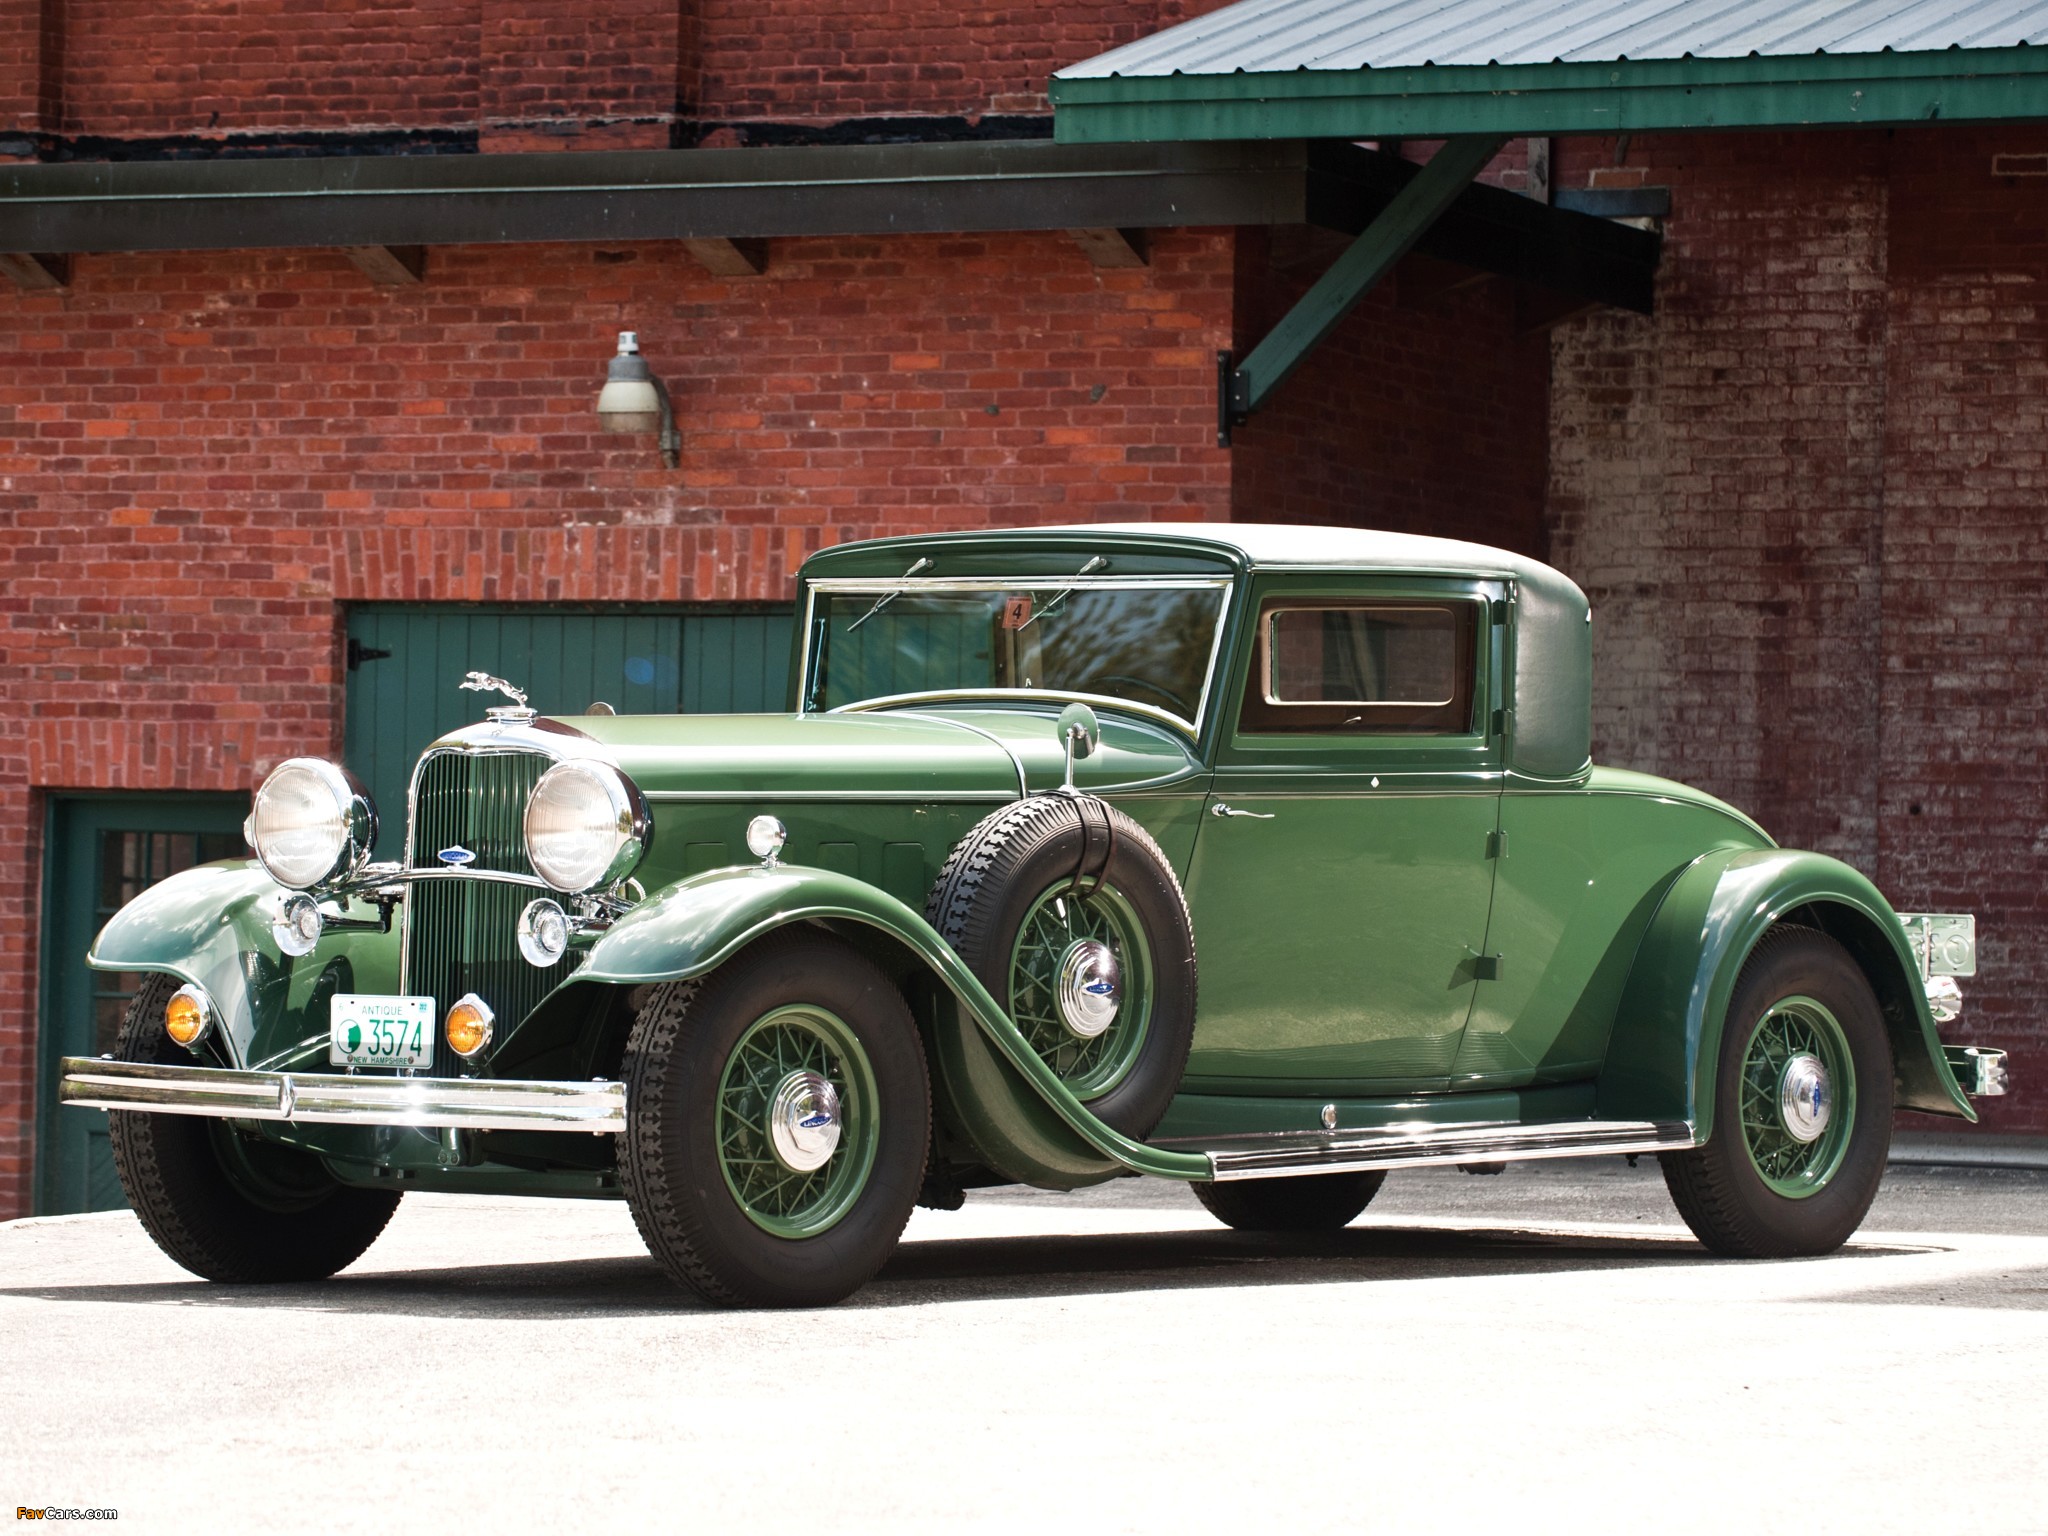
(1415, 68)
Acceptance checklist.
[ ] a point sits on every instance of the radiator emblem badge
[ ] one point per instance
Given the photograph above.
(457, 857)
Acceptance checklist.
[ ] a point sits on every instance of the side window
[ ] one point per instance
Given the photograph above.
(1332, 667)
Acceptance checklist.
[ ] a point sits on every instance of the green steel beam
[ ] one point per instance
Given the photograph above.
(1351, 276)
(672, 194)
(1621, 96)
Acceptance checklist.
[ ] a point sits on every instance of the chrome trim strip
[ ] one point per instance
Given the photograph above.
(1311, 1152)
(407, 876)
(792, 796)
(325, 1098)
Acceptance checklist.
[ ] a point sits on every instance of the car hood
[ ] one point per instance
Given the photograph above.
(925, 753)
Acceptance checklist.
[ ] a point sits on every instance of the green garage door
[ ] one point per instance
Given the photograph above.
(102, 850)
(406, 663)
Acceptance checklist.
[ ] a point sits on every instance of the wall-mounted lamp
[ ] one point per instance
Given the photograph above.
(633, 399)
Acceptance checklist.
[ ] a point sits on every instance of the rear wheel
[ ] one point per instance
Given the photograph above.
(1319, 1202)
(226, 1204)
(778, 1118)
(1802, 1107)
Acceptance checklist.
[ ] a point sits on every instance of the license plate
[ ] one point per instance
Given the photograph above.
(380, 1031)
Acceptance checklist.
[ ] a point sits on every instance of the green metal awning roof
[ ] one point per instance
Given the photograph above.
(1364, 69)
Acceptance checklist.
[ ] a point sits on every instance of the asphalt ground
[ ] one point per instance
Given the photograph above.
(1530, 1351)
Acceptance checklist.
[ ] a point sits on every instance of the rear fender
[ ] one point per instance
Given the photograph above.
(210, 926)
(1011, 1104)
(1667, 1036)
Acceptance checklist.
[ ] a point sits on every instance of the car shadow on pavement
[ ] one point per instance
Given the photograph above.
(936, 1271)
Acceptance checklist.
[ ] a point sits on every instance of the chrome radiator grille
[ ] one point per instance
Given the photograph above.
(459, 934)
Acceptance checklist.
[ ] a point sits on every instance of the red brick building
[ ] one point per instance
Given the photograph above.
(1805, 493)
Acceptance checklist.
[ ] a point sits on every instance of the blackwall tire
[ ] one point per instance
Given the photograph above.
(1320, 1202)
(1768, 1184)
(706, 1068)
(227, 1205)
(1007, 903)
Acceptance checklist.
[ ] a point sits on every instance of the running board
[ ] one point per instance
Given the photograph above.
(1289, 1154)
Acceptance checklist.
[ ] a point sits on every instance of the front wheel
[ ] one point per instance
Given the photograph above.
(779, 1113)
(226, 1204)
(1802, 1107)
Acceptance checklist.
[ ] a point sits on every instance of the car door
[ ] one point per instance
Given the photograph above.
(1342, 872)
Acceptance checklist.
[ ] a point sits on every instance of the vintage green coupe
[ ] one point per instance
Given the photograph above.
(776, 979)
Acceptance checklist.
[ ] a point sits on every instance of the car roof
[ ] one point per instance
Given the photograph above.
(1305, 544)
(1550, 735)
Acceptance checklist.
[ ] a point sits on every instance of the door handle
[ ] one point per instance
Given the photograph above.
(1220, 809)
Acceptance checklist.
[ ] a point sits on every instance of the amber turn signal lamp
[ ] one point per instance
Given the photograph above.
(187, 1016)
(468, 1029)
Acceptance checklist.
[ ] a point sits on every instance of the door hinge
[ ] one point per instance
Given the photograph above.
(1496, 845)
(1485, 967)
(358, 653)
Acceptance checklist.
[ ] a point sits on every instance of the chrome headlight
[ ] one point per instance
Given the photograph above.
(312, 823)
(586, 826)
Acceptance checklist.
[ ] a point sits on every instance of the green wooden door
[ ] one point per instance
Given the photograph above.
(406, 663)
(100, 852)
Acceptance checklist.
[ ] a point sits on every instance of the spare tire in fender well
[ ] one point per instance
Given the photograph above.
(1039, 889)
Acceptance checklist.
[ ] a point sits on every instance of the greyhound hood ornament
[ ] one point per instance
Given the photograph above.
(483, 682)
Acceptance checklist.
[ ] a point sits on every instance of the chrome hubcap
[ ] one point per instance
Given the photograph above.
(1805, 1099)
(804, 1123)
(1088, 988)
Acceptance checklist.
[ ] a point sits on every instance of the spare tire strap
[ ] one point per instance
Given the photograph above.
(1098, 844)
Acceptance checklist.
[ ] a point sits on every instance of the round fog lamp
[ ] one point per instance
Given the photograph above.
(766, 837)
(188, 1016)
(297, 929)
(543, 932)
(468, 1029)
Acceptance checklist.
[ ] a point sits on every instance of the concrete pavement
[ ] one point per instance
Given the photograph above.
(1542, 1349)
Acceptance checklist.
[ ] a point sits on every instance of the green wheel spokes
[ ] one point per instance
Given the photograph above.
(1052, 925)
(776, 1197)
(1797, 1030)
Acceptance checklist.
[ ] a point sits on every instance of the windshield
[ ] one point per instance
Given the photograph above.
(1149, 643)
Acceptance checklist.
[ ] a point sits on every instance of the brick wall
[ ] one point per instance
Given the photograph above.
(524, 74)
(1424, 411)
(1807, 501)
(202, 457)
(136, 68)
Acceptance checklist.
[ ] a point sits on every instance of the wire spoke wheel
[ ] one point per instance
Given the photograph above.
(1054, 925)
(1798, 1096)
(773, 1060)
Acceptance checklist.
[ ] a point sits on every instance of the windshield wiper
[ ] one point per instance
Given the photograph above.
(1095, 563)
(886, 598)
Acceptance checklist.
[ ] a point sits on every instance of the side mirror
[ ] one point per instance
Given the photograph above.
(1081, 734)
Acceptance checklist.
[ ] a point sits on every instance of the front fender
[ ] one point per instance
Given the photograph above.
(1667, 1036)
(696, 925)
(210, 925)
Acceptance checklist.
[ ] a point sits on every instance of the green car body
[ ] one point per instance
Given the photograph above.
(1403, 932)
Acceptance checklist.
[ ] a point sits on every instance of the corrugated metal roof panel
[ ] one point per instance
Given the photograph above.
(1271, 36)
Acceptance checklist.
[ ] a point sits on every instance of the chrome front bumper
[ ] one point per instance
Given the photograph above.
(324, 1098)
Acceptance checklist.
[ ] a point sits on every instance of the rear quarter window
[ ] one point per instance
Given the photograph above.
(1335, 667)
